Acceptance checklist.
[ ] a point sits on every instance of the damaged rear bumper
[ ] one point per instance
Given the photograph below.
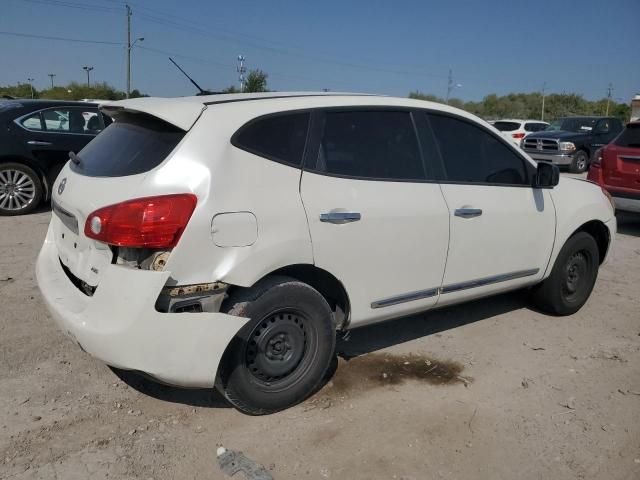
(120, 325)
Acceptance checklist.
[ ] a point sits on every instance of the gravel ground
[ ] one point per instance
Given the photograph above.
(510, 393)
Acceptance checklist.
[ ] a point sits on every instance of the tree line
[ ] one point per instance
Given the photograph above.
(491, 107)
(529, 106)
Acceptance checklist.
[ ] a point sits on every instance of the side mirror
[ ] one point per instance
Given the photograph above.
(547, 175)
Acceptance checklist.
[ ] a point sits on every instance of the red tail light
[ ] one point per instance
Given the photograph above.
(150, 222)
(518, 135)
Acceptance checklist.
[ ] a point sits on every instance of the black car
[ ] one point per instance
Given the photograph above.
(36, 137)
(571, 141)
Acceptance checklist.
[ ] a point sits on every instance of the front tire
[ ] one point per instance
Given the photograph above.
(580, 162)
(20, 189)
(282, 354)
(572, 278)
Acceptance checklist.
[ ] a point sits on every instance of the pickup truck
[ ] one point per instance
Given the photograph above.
(571, 141)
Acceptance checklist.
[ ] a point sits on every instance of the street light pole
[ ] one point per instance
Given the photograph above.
(51, 75)
(544, 88)
(30, 80)
(88, 69)
(451, 86)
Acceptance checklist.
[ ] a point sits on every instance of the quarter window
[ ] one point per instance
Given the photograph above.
(32, 122)
(471, 155)
(370, 144)
(281, 138)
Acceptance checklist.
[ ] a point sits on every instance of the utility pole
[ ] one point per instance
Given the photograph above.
(129, 47)
(449, 86)
(128, 50)
(241, 70)
(88, 69)
(609, 93)
(51, 75)
(544, 89)
(30, 80)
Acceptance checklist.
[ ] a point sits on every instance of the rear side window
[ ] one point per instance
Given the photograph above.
(630, 137)
(535, 127)
(132, 144)
(507, 126)
(281, 138)
(472, 155)
(379, 145)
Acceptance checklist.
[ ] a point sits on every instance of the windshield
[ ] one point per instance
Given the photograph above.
(630, 137)
(573, 124)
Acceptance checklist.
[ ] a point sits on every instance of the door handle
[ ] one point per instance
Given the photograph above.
(468, 212)
(340, 217)
(39, 143)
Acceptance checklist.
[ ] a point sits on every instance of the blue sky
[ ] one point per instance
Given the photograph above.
(389, 47)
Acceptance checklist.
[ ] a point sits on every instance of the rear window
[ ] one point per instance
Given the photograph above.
(630, 137)
(132, 144)
(279, 137)
(507, 126)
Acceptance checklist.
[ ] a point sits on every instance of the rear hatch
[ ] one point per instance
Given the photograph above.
(621, 160)
(111, 169)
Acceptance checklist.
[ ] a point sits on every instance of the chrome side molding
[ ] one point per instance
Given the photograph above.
(480, 282)
(407, 297)
(453, 287)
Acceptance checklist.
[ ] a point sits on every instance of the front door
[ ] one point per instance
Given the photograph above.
(375, 221)
(502, 229)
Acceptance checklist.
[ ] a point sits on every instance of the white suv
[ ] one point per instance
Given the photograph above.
(515, 129)
(224, 240)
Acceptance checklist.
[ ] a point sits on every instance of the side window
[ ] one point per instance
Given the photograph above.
(370, 144)
(32, 122)
(534, 127)
(72, 120)
(281, 137)
(472, 155)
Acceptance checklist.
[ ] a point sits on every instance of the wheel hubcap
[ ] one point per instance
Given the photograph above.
(17, 190)
(575, 274)
(277, 346)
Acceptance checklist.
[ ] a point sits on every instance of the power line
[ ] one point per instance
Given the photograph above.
(192, 27)
(62, 39)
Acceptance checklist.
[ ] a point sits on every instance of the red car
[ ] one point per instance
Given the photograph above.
(616, 168)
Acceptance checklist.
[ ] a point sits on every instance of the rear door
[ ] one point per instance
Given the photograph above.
(621, 167)
(377, 223)
(52, 133)
(502, 229)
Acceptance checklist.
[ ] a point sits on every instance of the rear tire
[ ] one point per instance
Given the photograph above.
(580, 162)
(282, 354)
(572, 278)
(20, 189)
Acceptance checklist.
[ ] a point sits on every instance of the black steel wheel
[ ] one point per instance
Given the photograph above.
(572, 277)
(281, 355)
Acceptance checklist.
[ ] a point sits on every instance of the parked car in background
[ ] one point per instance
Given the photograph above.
(515, 129)
(616, 167)
(223, 240)
(36, 137)
(571, 141)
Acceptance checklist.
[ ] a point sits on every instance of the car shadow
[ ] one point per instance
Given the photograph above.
(628, 223)
(369, 339)
(194, 397)
(358, 342)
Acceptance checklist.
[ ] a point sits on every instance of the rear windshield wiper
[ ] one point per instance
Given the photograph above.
(75, 158)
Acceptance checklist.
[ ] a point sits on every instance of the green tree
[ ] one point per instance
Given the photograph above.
(256, 81)
(21, 90)
(230, 89)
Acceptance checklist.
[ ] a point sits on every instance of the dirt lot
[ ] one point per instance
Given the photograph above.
(513, 394)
